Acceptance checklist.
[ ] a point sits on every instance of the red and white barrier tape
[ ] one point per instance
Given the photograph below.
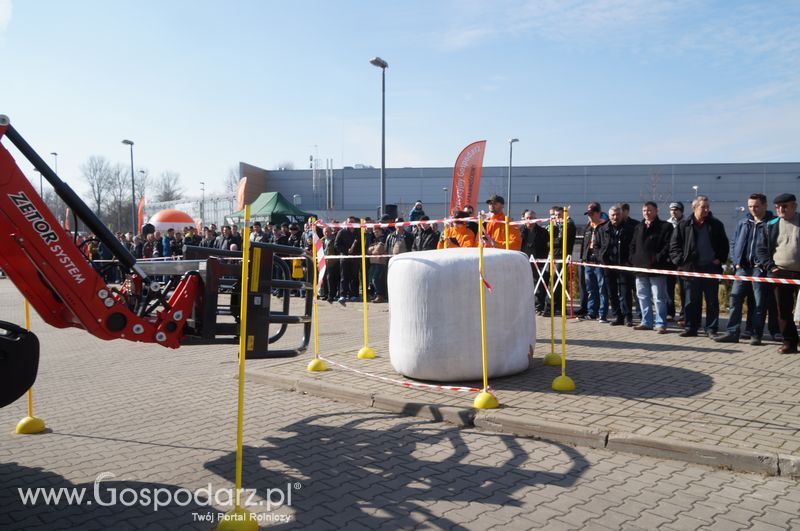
(403, 224)
(409, 384)
(720, 276)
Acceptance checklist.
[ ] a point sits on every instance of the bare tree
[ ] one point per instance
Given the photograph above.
(232, 180)
(120, 202)
(168, 187)
(285, 165)
(97, 172)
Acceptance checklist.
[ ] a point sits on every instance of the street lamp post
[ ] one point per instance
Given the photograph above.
(55, 164)
(133, 189)
(695, 188)
(40, 183)
(508, 191)
(380, 63)
(446, 202)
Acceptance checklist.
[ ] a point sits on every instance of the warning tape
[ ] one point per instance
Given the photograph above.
(409, 384)
(721, 276)
(403, 224)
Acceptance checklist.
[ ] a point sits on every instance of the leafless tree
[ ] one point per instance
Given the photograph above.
(97, 172)
(232, 180)
(168, 187)
(120, 200)
(285, 165)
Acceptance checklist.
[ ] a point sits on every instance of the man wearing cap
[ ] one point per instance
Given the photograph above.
(743, 258)
(700, 245)
(675, 217)
(596, 300)
(496, 228)
(778, 253)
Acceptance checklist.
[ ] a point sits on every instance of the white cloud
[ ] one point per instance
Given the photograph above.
(5, 14)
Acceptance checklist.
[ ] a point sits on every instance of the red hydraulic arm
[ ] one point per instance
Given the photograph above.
(45, 264)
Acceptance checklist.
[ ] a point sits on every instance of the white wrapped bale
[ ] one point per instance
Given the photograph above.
(435, 331)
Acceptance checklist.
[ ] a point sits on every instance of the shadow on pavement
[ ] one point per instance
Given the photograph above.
(613, 378)
(360, 471)
(636, 345)
(134, 507)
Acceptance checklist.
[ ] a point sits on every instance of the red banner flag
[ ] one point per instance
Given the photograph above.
(140, 214)
(467, 177)
(240, 193)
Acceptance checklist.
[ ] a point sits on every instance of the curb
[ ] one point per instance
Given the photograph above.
(735, 459)
(494, 420)
(701, 454)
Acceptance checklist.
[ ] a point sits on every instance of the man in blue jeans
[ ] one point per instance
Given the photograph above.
(699, 244)
(650, 250)
(743, 257)
(597, 301)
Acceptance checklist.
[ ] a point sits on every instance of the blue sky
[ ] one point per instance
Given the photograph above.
(200, 85)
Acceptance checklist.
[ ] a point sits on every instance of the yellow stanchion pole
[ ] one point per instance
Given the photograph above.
(366, 353)
(239, 518)
(317, 364)
(551, 358)
(508, 228)
(30, 424)
(564, 382)
(485, 399)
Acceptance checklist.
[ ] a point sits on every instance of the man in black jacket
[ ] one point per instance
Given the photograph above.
(535, 241)
(559, 224)
(426, 238)
(344, 245)
(699, 244)
(614, 239)
(596, 291)
(650, 250)
(778, 253)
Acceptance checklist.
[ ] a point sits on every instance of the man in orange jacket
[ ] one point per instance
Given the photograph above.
(457, 235)
(496, 227)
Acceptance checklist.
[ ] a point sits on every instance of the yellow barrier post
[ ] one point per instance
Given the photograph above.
(30, 424)
(317, 364)
(508, 228)
(366, 353)
(485, 399)
(564, 382)
(239, 518)
(551, 358)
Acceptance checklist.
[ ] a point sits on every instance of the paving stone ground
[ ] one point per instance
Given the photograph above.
(639, 382)
(165, 419)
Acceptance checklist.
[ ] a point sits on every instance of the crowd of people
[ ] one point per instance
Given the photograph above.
(763, 244)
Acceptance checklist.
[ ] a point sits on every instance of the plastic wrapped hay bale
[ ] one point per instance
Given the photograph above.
(435, 331)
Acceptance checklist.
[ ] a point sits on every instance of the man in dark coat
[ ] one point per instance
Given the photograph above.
(614, 240)
(650, 250)
(699, 244)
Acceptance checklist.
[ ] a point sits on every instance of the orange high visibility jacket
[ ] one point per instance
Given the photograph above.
(496, 229)
(462, 235)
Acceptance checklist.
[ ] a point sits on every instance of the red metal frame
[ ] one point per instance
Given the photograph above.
(41, 259)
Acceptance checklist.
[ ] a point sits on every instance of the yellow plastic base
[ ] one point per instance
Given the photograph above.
(317, 365)
(238, 519)
(563, 383)
(485, 400)
(30, 425)
(366, 353)
(552, 359)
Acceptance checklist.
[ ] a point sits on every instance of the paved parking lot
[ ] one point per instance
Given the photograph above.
(165, 419)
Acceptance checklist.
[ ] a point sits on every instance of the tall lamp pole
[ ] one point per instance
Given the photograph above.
(380, 63)
(446, 202)
(133, 189)
(55, 165)
(695, 188)
(203, 202)
(508, 192)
